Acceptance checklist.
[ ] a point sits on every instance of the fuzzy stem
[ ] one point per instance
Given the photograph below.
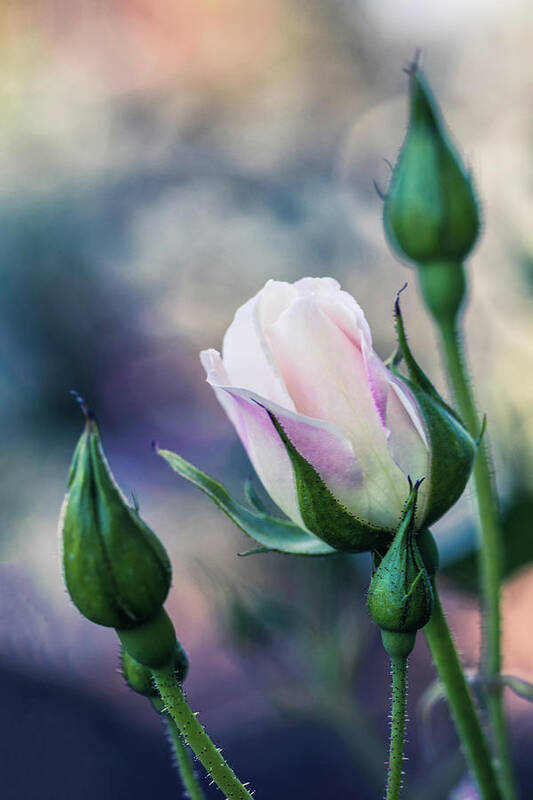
(397, 732)
(183, 761)
(195, 736)
(461, 703)
(490, 554)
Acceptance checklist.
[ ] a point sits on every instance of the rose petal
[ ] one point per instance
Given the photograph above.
(408, 442)
(217, 376)
(260, 439)
(321, 443)
(325, 374)
(340, 306)
(246, 355)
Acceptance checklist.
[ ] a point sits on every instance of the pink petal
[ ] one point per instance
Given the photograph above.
(325, 373)
(320, 443)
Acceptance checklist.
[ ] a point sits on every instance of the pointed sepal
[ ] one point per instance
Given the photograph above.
(321, 511)
(452, 448)
(276, 535)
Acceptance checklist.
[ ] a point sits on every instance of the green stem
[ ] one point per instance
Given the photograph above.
(397, 731)
(195, 736)
(184, 762)
(490, 554)
(461, 703)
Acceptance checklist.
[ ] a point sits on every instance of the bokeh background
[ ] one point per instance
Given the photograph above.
(159, 161)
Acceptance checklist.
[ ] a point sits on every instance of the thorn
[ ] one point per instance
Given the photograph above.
(380, 192)
(155, 445)
(419, 481)
(389, 164)
(135, 502)
(410, 482)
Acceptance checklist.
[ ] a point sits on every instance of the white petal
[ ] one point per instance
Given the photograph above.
(325, 374)
(246, 354)
(322, 445)
(408, 441)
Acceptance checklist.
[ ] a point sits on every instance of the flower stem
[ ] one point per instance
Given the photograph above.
(195, 736)
(490, 554)
(397, 732)
(461, 703)
(184, 762)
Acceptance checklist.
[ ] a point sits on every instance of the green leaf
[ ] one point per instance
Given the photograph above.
(278, 535)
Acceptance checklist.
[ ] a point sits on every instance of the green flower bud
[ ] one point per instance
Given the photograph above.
(431, 211)
(116, 570)
(400, 598)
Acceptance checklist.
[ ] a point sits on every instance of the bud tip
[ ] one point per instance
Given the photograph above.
(87, 413)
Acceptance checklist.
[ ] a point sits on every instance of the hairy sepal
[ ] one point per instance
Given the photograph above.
(452, 448)
(321, 511)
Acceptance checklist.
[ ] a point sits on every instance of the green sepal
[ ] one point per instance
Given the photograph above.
(430, 210)
(116, 570)
(139, 678)
(273, 534)
(452, 448)
(400, 597)
(152, 644)
(321, 511)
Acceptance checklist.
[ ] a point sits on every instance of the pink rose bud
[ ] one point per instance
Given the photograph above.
(332, 433)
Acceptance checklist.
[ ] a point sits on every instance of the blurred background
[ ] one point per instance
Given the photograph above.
(159, 161)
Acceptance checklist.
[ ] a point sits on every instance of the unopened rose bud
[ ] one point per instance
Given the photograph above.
(430, 211)
(400, 598)
(332, 432)
(116, 570)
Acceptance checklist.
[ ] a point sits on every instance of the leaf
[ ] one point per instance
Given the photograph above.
(278, 535)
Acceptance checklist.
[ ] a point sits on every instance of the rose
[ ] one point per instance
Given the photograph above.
(332, 433)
